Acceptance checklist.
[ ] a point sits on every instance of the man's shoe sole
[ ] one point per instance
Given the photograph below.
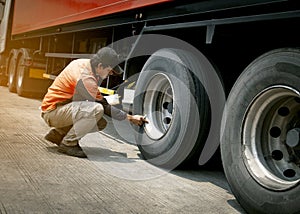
(74, 151)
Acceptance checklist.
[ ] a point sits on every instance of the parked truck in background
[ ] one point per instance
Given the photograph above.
(183, 59)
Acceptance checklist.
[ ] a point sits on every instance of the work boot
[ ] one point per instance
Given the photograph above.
(75, 151)
(54, 137)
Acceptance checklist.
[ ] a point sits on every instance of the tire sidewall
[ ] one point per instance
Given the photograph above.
(179, 140)
(22, 74)
(264, 72)
(12, 73)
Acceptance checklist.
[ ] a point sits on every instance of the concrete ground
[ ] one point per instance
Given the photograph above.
(35, 178)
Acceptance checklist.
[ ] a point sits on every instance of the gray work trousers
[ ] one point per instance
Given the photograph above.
(76, 119)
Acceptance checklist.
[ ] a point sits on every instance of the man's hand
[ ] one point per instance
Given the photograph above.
(137, 120)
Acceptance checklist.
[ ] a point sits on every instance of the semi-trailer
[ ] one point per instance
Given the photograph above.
(215, 79)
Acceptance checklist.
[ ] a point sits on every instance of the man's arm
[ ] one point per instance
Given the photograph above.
(87, 90)
(121, 115)
(112, 111)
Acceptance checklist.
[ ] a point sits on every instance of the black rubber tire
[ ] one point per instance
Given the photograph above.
(22, 77)
(12, 66)
(275, 70)
(183, 137)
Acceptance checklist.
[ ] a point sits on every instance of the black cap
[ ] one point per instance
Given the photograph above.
(108, 56)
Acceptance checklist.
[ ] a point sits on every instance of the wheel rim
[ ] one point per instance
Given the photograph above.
(273, 157)
(158, 106)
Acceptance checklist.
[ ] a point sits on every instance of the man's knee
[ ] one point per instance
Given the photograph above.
(89, 110)
(99, 111)
(102, 123)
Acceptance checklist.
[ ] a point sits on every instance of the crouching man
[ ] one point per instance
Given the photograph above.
(73, 105)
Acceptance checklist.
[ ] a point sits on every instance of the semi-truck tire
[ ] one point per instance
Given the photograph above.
(176, 106)
(260, 145)
(12, 65)
(22, 76)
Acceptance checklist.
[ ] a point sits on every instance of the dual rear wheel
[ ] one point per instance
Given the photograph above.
(18, 73)
(19, 79)
(260, 130)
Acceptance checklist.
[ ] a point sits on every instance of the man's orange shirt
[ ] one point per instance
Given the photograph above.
(64, 86)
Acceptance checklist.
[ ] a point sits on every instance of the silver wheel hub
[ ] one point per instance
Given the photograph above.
(158, 106)
(270, 137)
